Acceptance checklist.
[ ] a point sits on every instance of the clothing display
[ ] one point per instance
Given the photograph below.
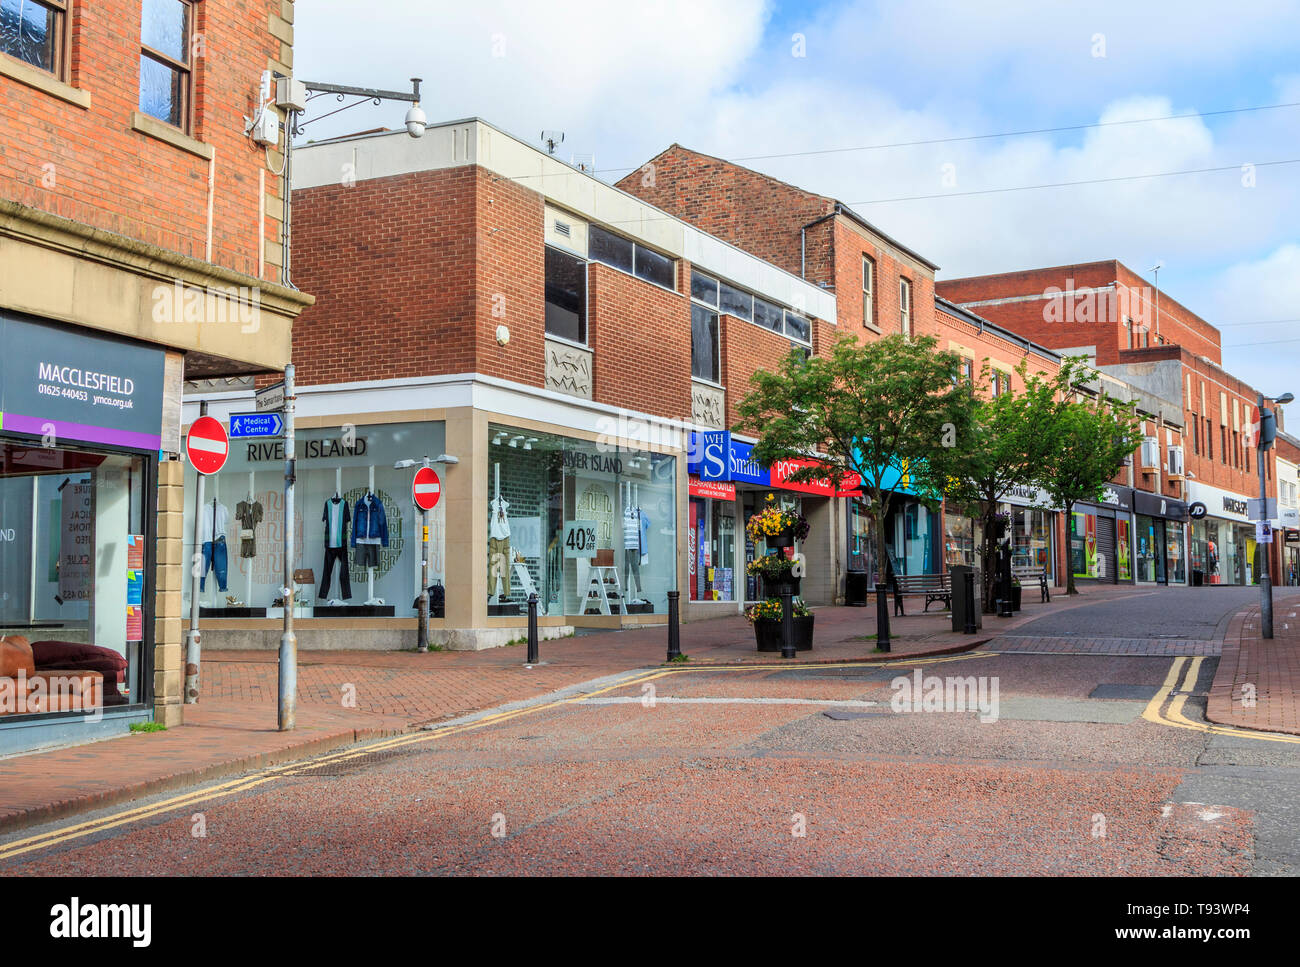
(499, 564)
(499, 520)
(645, 537)
(215, 559)
(339, 554)
(366, 555)
(336, 518)
(369, 522)
(632, 530)
(207, 526)
(249, 515)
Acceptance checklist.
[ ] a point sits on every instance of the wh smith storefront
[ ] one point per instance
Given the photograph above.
(726, 487)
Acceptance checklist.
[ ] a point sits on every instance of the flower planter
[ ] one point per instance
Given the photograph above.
(767, 633)
(781, 540)
(772, 587)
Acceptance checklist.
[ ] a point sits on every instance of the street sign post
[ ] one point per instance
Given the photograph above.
(207, 445)
(426, 488)
(254, 425)
(271, 398)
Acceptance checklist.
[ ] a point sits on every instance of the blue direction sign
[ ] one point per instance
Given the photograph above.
(255, 425)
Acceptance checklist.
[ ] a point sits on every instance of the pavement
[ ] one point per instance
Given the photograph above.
(1257, 685)
(346, 698)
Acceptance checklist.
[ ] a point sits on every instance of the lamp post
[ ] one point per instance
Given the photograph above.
(1264, 442)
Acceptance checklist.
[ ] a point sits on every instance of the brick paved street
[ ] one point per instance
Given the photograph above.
(1084, 767)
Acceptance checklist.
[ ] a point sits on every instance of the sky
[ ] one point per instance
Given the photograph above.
(745, 78)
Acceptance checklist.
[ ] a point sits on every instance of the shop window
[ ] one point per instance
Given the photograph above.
(590, 528)
(356, 533)
(34, 31)
(704, 344)
(165, 82)
(76, 566)
(566, 296)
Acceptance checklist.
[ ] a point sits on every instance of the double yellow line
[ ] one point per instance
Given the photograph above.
(1176, 695)
(66, 834)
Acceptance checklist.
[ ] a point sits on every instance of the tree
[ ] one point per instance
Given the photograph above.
(1096, 435)
(878, 411)
(1011, 437)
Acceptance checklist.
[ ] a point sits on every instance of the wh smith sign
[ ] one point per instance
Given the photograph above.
(715, 455)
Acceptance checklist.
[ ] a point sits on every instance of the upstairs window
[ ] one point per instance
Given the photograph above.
(797, 327)
(566, 296)
(868, 293)
(704, 344)
(768, 316)
(704, 288)
(165, 82)
(34, 32)
(627, 256)
(737, 302)
(905, 306)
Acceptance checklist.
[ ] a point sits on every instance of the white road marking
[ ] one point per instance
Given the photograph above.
(662, 699)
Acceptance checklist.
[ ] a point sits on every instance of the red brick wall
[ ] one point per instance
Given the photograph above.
(750, 210)
(1089, 318)
(950, 328)
(1214, 471)
(391, 262)
(107, 175)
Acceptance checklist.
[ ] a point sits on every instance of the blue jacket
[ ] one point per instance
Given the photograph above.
(368, 520)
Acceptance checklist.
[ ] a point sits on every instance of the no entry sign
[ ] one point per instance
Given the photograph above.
(426, 488)
(207, 445)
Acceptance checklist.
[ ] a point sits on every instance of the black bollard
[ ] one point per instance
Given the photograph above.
(674, 636)
(882, 616)
(532, 629)
(787, 621)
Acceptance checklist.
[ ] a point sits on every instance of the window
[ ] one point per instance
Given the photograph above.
(566, 296)
(767, 315)
(905, 306)
(1001, 382)
(704, 288)
(968, 370)
(704, 344)
(868, 293)
(1196, 433)
(737, 302)
(1223, 449)
(1128, 331)
(613, 250)
(797, 327)
(1209, 438)
(1176, 461)
(1151, 452)
(627, 256)
(165, 61)
(34, 31)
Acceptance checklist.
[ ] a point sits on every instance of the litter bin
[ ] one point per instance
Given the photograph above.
(965, 598)
(1198, 578)
(855, 589)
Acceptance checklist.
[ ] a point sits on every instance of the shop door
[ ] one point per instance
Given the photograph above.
(1159, 551)
(1106, 570)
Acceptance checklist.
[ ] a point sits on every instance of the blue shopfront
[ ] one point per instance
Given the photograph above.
(727, 487)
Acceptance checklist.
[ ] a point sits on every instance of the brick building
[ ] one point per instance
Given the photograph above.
(1201, 454)
(140, 246)
(881, 287)
(481, 300)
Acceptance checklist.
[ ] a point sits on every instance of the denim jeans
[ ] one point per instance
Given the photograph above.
(214, 557)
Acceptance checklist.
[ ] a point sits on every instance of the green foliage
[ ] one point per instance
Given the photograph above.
(868, 409)
(148, 727)
(680, 660)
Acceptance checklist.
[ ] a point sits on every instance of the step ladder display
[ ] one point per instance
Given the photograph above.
(603, 586)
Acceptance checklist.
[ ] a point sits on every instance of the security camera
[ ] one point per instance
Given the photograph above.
(416, 122)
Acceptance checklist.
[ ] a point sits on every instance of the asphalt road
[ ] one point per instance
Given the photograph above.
(1069, 767)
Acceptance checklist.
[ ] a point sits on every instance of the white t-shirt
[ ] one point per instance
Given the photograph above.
(205, 522)
(499, 522)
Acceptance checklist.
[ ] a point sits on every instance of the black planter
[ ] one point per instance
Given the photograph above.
(783, 539)
(1015, 596)
(772, 587)
(767, 632)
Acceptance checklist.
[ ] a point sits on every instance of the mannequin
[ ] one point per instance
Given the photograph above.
(632, 543)
(336, 517)
(213, 525)
(498, 544)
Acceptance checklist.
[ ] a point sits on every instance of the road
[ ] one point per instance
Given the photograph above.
(1087, 755)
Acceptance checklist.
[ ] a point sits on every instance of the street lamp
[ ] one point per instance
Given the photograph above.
(1155, 270)
(422, 600)
(1264, 442)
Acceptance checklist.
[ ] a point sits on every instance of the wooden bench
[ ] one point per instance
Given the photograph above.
(1034, 575)
(935, 587)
